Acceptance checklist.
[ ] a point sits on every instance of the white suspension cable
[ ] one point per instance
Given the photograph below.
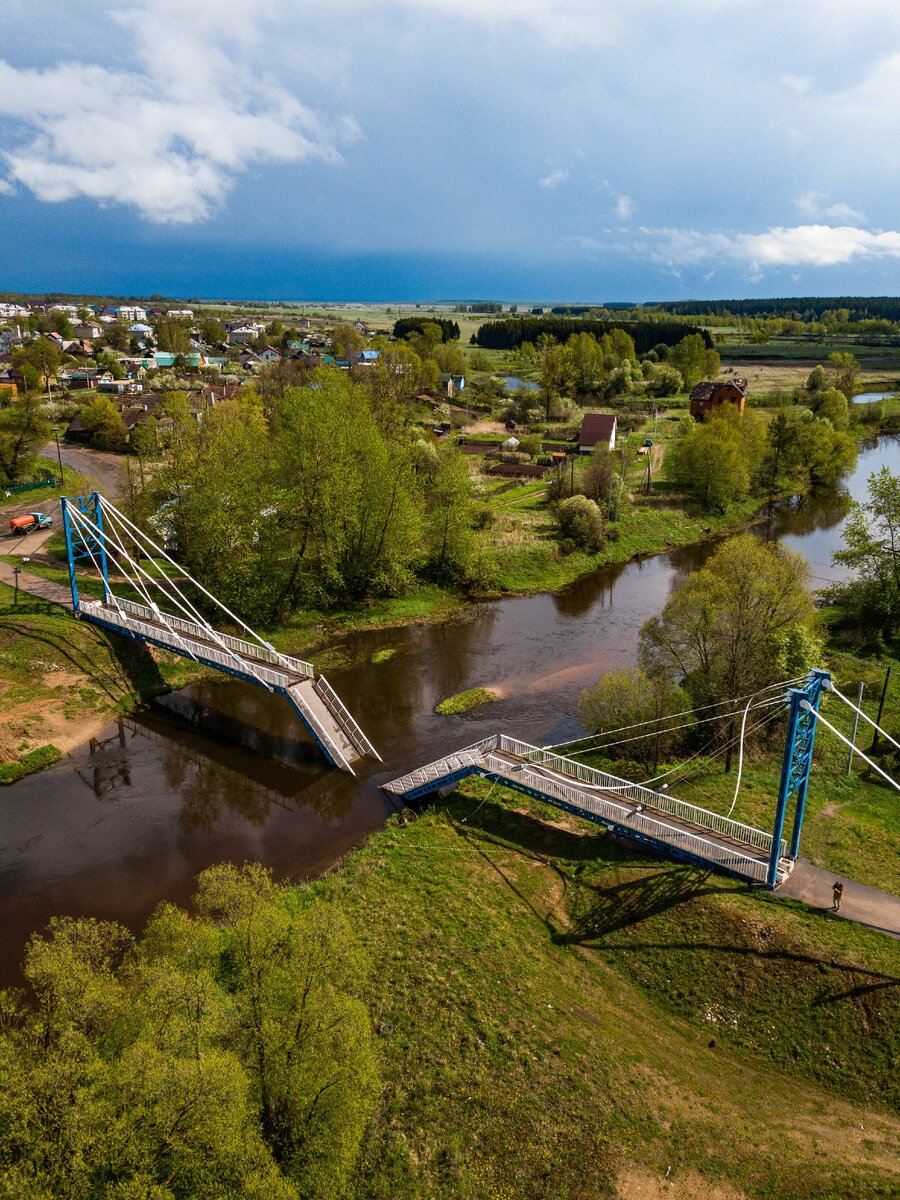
(731, 741)
(740, 772)
(110, 535)
(139, 534)
(840, 696)
(685, 713)
(638, 737)
(804, 704)
(192, 614)
(135, 582)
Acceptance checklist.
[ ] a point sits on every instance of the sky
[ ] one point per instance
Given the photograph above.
(555, 150)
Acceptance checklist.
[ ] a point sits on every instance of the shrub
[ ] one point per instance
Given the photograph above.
(581, 520)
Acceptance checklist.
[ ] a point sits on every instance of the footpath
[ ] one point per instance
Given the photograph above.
(43, 588)
(865, 905)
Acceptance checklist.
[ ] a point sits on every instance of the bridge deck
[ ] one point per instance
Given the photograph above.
(313, 698)
(631, 810)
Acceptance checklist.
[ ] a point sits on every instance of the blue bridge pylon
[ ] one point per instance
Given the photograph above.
(653, 819)
(99, 535)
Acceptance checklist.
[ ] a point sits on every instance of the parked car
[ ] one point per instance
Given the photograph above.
(29, 522)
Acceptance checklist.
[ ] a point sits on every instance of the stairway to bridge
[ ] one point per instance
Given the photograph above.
(629, 810)
(96, 531)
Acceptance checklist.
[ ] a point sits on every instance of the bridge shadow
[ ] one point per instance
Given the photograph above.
(600, 910)
(136, 664)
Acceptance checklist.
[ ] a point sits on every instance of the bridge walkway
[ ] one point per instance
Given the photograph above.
(337, 733)
(653, 819)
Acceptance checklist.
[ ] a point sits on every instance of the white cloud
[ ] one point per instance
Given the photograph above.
(557, 176)
(798, 84)
(593, 23)
(801, 245)
(811, 204)
(170, 136)
(624, 208)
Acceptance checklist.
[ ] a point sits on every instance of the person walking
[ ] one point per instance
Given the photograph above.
(837, 891)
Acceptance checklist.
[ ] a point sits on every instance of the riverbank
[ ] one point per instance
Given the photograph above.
(553, 1008)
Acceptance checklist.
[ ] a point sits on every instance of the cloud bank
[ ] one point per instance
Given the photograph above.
(169, 136)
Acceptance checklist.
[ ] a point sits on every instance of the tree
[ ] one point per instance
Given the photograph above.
(44, 356)
(871, 539)
(104, 423)
(555, 368)
(846, 372)
(817, 380)
(718, 460)
(598, 477)
(742, 621)
(665, 381)
(24, 428)
(345, 339)
(173, 334)
(449, 540)
(627, 698)
(694, 361)
(212, 331)
(581, 522)
(832, 404)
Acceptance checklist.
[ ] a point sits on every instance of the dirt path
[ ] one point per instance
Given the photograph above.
(865, 905)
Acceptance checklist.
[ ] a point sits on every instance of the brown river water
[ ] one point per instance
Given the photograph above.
(223, 771)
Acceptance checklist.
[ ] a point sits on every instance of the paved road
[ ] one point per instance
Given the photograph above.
(865, 905)
(104, 468)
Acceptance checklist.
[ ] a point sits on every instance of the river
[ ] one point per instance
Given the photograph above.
(130, 819)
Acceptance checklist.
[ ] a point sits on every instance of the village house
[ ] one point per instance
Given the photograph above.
(131, 312)
(597, 429)
(86, 329)
(244, 334)
(708, 397)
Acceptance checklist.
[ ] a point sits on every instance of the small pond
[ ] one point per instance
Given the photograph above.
(515, 384)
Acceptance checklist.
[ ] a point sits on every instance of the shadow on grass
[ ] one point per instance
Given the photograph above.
(136, 664)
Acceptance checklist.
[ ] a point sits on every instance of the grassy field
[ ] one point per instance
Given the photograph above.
(562, 1017)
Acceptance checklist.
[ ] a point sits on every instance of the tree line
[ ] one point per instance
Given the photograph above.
(511, 333)
(407, 325)
(802, 308)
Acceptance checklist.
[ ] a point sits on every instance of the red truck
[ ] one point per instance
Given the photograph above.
(28, 522)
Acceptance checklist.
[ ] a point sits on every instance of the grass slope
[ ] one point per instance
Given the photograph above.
(555, 1012)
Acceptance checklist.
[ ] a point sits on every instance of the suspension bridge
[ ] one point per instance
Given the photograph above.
(650, 816)
(98, 534)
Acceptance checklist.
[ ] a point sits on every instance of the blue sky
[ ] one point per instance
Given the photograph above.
(424, 149)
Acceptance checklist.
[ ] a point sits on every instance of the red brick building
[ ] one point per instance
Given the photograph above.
(708, 397)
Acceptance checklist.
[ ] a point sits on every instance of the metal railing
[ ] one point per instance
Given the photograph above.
(707, 819)
(246, 649)
(297, 699)
(618, 814)
(157, 632)
(471, 756)
(335, 706)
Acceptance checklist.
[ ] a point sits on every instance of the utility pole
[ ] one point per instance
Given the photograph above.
(884, 689)
(58, 454)
(855, 728)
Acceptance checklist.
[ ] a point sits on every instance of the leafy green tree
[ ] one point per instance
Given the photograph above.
(449, 540)
(831, 403)
(173, 334)
(625, 698)
(212, 331)
(718, 460)
(730, 628)
(581, 522)
(555, 368)
(817, 380)
(846, 370)
(43, 356)
(665, 381)
(104, 423)
(24, 428)
(694, 361)
(345, 339)
(871, 539)
(586, 361)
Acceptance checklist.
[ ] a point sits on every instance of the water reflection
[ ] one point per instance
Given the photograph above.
(224, 771)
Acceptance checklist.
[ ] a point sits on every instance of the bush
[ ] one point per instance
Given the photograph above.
(581, 520)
